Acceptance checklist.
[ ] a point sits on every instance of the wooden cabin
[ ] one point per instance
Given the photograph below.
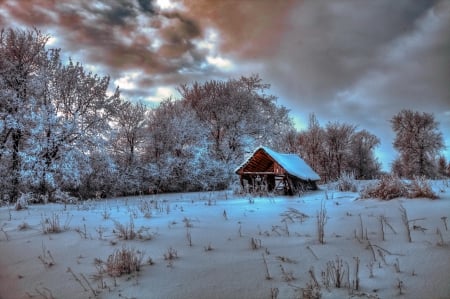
(270, 171)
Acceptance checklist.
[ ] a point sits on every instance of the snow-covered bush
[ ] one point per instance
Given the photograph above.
(420, 187)
(388, 187)
(346, 182)
(23, 201)
(64, 197)
(391, 186)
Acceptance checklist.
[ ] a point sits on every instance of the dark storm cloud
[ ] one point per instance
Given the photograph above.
(147, 6)
(118, 13)
(116, 35)
(364, 64)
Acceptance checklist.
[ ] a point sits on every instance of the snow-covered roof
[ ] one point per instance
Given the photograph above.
(291, 163)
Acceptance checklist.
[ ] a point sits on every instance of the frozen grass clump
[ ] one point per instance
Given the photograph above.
(346, 182)
(23, 201)
(420, 187)
(387, 188)
(61, 196)
(124, 261)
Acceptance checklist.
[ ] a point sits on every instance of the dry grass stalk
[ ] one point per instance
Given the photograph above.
(397, 265)
(440, 241)
(268, 276)
(46, 257)
(209, 247)
(4, 232)
(124, 261)
(45, 293)
(321, 221)
(312, 289)
(444, 219)
(287, 275)
(335, 274)
(274, 293)
(82, 233)
(23, 226)
(400, 287)
(187, 222)
(69, 270)
(286, 260)
(51, 224)
(171, 254)
(125, 232)
(384, 222)
(357, 260)
(294, 215)
(189, 236)
(255, 243)
(405, 221)
(312, 252)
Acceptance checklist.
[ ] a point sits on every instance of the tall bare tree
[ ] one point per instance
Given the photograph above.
(362, 160)
(312, 144)
(418, 141)
(338, 139)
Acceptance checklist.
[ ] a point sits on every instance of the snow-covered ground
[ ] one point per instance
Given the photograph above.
(221, 261)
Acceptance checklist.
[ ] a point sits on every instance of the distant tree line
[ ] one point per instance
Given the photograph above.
(61, 130)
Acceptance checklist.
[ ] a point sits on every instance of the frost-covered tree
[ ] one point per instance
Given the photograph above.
(238, 114)
(177, 154)
(22, 54)
(418, 141)
(51, 115)
(128, 144)
(71, 118)
(443, 167)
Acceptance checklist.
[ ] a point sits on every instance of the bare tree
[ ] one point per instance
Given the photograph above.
(418, 141)
(363, 162)
(131, 119)
(338, 138)
(312, 145)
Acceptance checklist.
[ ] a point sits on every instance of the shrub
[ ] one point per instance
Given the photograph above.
(125, 231)
(346, 182)
(124, 261)
(391, 186)
(388, 187)
(23, 201)
(61, 196)
(420, 187)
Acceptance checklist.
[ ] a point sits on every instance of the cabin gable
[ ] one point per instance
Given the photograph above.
(267, 170)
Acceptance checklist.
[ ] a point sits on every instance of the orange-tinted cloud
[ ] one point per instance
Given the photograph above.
(248, 29)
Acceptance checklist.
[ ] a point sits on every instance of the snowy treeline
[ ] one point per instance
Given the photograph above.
(62, 130)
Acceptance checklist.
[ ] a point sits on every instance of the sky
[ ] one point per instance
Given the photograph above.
(353, 61)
